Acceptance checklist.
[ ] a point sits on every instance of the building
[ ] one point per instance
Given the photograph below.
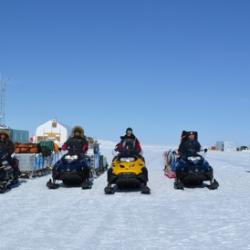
(52, 130)
(225, 146)
(16, 135)
(220, 145)
(229, 146)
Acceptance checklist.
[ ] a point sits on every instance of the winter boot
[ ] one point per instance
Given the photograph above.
(178, 185)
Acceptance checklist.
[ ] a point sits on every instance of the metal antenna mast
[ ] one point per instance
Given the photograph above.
(3, 84)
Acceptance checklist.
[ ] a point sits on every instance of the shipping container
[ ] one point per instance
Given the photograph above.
(16, 135)
(19, 136)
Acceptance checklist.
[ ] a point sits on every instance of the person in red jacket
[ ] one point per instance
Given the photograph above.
(129, 144)
(77, 144)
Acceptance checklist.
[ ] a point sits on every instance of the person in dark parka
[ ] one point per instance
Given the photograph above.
(7, 148)
(77, 144)
(129, 143)
(189, 144)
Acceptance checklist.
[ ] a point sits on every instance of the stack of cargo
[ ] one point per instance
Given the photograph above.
(98, 161)
(28, 148)
(31, 161)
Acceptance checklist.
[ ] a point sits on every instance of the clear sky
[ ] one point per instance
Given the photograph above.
(157, 66)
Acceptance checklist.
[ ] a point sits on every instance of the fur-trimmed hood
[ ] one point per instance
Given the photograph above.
(78, 129)
(5, 132)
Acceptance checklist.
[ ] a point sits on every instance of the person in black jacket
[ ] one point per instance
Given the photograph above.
(129, 143)
(77, 144)
(6, 145)
(189, 144)
(7, 148)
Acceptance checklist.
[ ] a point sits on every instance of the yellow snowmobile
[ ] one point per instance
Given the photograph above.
(126, 172)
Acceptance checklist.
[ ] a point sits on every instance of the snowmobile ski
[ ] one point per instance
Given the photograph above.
(145, 189)
(87, 185)
(213, 185)
(52, 185)
(109, 190)
(178, 185)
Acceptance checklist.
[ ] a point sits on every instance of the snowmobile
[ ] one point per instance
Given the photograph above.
(72, 170)
(194, 171)
(8, 178)
(127, 171)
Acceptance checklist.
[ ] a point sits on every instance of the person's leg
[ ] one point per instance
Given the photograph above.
(145, 174)
(178, 183)
(15, 165)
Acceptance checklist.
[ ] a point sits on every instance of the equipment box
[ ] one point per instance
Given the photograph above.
(33, 164)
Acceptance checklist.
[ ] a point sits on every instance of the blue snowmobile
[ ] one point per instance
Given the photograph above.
(72, 170)
(192, 169)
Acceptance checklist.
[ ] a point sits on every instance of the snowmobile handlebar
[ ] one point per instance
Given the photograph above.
(3, 156)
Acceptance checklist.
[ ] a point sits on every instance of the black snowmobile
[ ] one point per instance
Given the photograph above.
(72, 170)
(193, 171)
(8, 176)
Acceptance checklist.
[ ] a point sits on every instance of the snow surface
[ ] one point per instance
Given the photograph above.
(35, 218)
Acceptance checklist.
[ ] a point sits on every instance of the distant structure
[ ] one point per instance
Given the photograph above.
(243, 148)
(52, 130)
(16, 135)
(3, 84)
(229, 146)
(225, 146)
(220, 145)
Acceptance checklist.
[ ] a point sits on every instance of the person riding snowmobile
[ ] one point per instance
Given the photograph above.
(7, 148)
(129, 144)
(78, 145)
(190, 146)
(129, 147)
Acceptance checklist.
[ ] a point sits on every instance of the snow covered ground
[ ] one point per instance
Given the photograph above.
(33, 217)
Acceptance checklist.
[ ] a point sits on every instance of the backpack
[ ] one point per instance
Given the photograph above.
(46, 148)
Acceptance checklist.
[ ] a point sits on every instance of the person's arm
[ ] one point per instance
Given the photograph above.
(198, 147)
(11, 148)
(85, 147)
(118, 147)
(137, 146)
(180, 149)
(64, 146)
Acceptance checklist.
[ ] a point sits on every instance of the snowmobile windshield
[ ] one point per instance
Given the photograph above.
(194, 159)
(71, 157)
(127, 159)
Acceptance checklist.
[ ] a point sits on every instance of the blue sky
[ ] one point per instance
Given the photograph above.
(157, 66)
